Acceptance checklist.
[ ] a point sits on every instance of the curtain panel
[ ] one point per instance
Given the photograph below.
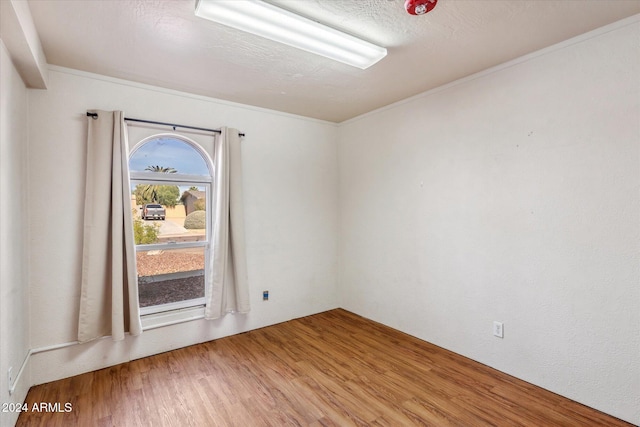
(227, 288)
(109, 294)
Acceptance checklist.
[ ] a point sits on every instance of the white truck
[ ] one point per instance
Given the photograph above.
(153, 211)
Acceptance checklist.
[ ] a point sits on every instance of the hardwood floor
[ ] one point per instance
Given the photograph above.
(329, 369)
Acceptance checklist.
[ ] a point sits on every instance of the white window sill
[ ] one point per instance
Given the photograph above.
(167, 318)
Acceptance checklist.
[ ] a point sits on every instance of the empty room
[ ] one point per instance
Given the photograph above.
(320, 213)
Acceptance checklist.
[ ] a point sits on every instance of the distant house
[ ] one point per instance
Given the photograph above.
(193, 200)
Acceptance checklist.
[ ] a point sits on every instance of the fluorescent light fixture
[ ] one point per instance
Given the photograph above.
(268, 21)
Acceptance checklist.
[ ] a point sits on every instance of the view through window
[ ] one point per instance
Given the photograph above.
(170, 195)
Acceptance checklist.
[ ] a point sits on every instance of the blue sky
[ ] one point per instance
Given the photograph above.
(168, 152)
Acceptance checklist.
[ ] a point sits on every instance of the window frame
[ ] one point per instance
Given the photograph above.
(181, 180)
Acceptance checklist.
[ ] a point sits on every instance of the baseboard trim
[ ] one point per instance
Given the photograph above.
(16, 380)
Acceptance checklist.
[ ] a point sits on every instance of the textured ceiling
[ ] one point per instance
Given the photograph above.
(162, 43)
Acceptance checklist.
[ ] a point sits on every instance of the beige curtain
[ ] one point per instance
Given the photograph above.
(227, 288)
(109, 296)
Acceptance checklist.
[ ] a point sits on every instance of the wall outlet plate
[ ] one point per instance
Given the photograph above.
(498, 329)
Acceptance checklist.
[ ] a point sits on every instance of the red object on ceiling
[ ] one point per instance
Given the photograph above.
(419, 7)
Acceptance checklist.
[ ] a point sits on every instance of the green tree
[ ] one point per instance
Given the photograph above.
(200, 205)
(166, 195)
(141, 194)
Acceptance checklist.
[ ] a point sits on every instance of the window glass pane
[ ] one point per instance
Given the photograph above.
(165, 213)
(170, 276)
(169, 195)
(168, 155)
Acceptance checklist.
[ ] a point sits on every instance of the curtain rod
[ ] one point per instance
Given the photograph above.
(173, 125)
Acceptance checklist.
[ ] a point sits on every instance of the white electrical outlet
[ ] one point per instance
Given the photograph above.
(498, 329)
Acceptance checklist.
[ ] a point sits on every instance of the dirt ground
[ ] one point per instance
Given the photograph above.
(171, 291)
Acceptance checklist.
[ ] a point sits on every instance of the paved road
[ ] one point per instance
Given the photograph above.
(167, 227)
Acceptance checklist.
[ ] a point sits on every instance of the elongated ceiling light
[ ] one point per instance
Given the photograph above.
(268, 21)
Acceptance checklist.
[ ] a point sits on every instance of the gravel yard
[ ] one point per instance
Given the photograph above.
(163, 262)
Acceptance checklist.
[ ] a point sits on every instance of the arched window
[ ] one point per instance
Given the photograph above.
(171, 179)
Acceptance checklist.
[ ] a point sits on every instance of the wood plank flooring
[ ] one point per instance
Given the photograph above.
(329, 369)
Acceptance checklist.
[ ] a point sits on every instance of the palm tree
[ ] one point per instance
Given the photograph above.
(150, 191)
(162, 169)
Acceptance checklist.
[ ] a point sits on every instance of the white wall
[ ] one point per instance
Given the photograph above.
(290, 177)
(14, 315)
(509, 196)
